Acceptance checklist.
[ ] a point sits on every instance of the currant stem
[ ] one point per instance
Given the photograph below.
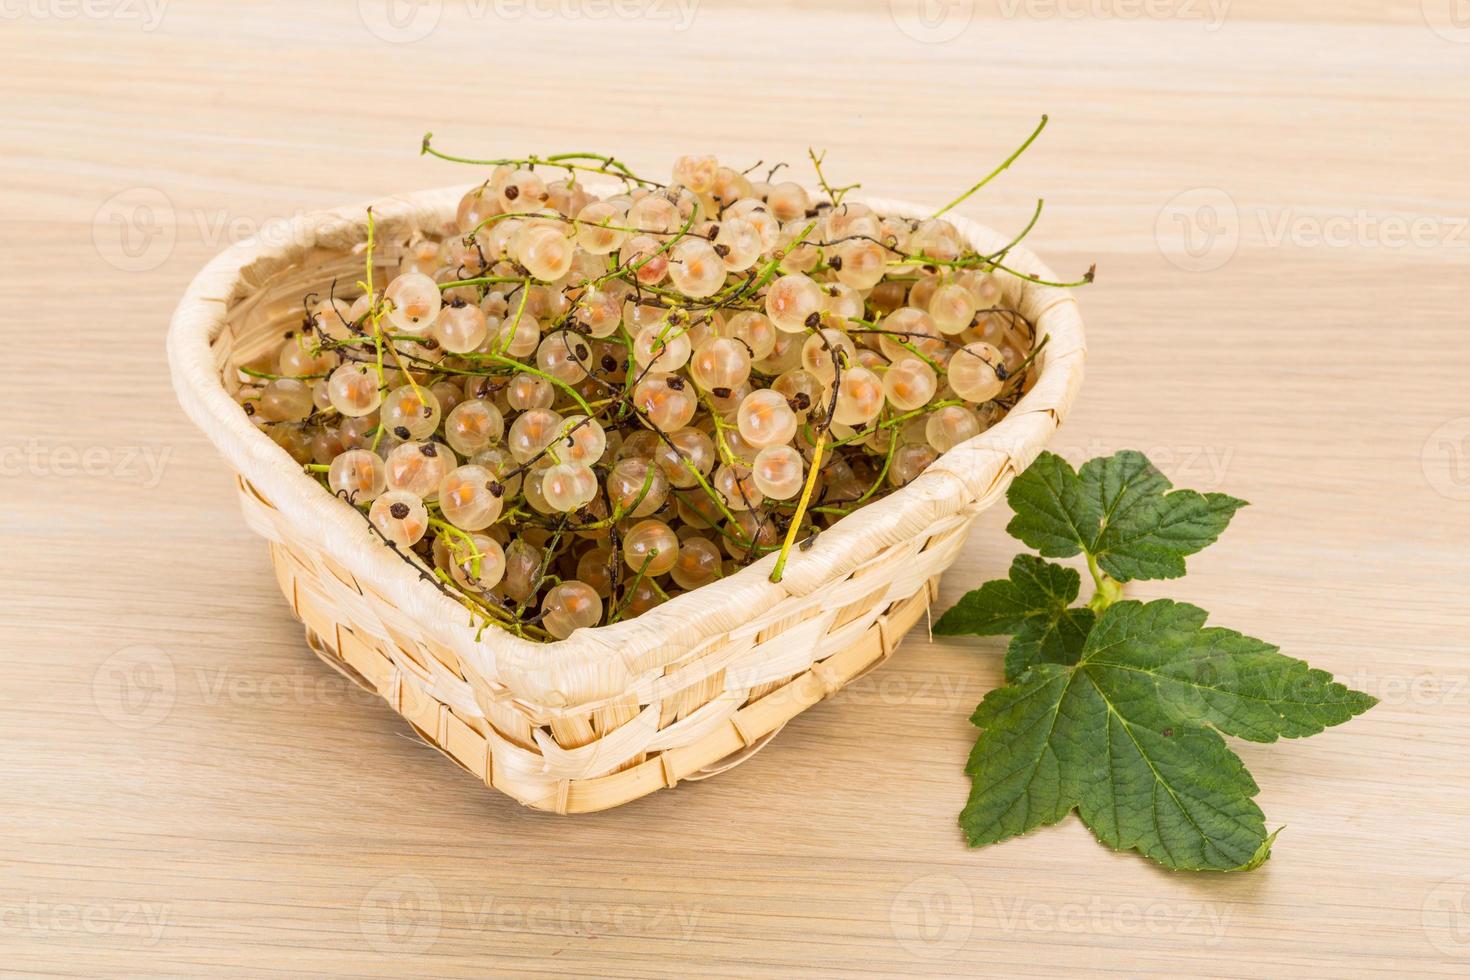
(1109, 589)
(806, 498)
(997, 171)
(610, 166)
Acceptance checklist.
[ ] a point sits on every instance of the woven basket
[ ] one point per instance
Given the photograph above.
(684, 691)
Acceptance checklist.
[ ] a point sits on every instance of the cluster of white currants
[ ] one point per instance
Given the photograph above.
(568, 408)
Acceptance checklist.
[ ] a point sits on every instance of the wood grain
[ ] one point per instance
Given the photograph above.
(186, 789)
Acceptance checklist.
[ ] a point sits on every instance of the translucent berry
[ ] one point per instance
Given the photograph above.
(699, 563)
(600, 241)
(461, 328)
(720, 364)
(907, 331)
(518, 334)
(973, 372)
(523, 190)
(750, 535)
(654, 215)
(910, 384)
(690, 446)
(285, 400)
(650, 547)
(522, 561)
(697, 173)
(666, 400)
(737, 485)
(600, 311)
(528, 391)
(299, 358)
(582, 440)
(565, 355)
(860, 263)
(545, 251)
(696, 269)
(824, 351)
(778, 472)
(738, 244)
(754, 330)
(595, 568)
(468, 499)
(400, 517)
(794, 303)
(802, 390)
(532, 432)
(626, 484)
(788, 201)
(909, 462)
(358, 475)
(730, 185)
(950, 426)
(477, 564)
(570, 606)
(418, 467)
(952, 308)
(412, 301)
(859, 397)
(646, 258)
(410, 412)
(474, 425)
(662, 347)
(500, 463)
(568, 486)
(765, 419)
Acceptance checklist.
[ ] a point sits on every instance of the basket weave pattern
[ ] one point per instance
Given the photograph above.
(610, 714)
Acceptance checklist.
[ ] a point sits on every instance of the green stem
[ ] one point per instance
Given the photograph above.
(632, 270)
(835, 193)
(610, 166)
(627, 601)
(989, 264)
(481, 281)
(882, 475)
(375, 312)
(277, 377)
(525, 368)
(806, 498)
(1109, 589)
(1035, 217)
(997, 171)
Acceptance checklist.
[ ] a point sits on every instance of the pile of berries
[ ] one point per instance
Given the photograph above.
(565, 409)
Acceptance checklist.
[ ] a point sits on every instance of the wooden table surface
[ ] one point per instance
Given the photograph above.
(1275, 199)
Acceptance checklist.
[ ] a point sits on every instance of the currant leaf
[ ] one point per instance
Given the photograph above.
(1054, 513)
(1129, 736)
(1037, 591)
(1118, 509)
(1055, 641)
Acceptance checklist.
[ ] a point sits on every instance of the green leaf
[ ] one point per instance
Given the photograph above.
(1128, 737)
(1119, 510)
(1024, 767)
(1036, 591)
(1054, 514)
(1263, 854)
(1160, 657)
(1055, 641)
(1147, 532)
(1120, 484)
(1153, 539)
(1033, 605)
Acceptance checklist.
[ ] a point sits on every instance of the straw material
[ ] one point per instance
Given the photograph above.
(610, 714)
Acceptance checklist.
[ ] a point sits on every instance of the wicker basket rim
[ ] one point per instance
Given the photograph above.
(688, 620)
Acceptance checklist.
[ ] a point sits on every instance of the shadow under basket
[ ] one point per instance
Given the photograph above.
(682, 692)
